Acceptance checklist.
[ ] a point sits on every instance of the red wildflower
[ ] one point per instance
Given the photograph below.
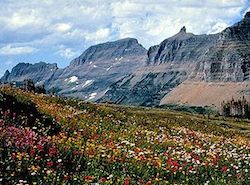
(224, 169)
(66, 177)
(94, 136)
(216, 159)
(52, 151)
(126, 182)
(84, 133)
(173, 163)
(183, 164)
(13, 156)
(32, 152)
(6, 113)
(75, 152)
(110, 144)
(141, 181)
(190, 168)
(14, 115)
(50, 163)
(238, 175)
(40, 148)
(103, 179)
(137, 150)
(88, 178)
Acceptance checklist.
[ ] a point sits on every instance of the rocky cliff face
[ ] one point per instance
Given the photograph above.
(229, 58)
(146, 88)
(40, 72)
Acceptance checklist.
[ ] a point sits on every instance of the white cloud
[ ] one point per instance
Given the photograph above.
(248, 9)
(93, 21)
(23, 18)
(100, 34)
(26, 25)
(67, 53)
(12, 50)
(62, 27)
(124, 9)
(152, 21)
(218, 27)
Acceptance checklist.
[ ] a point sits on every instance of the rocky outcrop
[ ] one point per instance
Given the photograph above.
(143, 89)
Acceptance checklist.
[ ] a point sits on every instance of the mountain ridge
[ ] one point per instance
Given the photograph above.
(124, 72)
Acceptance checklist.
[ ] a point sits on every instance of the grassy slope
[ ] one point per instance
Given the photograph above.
(137, 125)
(149, 117)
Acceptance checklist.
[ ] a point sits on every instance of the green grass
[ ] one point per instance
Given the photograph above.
(191, 109)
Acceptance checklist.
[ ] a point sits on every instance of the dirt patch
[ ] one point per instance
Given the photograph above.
(206, 93)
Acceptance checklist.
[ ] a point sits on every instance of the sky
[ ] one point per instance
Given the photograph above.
(57, 31)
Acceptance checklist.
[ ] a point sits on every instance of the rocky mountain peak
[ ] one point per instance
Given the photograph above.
(38, 72)
(110, 51)
(247, 15)
(5, 76)
(183, 30)
(7, 72)
(180, 47)
(126, 40)
(238, 31)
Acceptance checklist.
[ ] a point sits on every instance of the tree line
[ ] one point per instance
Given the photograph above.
(236, 108)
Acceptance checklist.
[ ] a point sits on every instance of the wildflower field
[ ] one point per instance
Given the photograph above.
(50, 140)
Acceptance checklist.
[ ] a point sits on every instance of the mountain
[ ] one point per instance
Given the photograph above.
(40, 72)
(168, 65)
(221, 60)
(222, 74)
(183, 69)
(90, 75)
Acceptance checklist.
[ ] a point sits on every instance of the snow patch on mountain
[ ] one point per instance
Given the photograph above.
(87, 83)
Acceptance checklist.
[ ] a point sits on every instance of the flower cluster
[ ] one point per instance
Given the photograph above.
(109, 145)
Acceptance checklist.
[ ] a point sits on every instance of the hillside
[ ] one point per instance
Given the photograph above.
(52, 140)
